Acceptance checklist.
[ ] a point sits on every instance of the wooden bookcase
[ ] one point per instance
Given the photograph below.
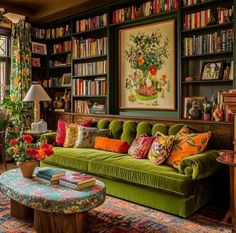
(186, 64)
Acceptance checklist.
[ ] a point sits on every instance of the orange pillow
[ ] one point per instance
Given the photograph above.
(186, 145)
(109, 144)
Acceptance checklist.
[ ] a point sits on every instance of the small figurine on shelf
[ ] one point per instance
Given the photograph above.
(67, 101)
(218, 113)
(207, 110)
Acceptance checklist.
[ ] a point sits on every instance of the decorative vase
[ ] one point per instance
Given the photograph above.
(27, 168)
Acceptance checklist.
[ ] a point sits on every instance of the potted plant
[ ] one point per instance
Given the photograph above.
(27, 154)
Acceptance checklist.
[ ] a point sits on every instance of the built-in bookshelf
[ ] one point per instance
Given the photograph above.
(86, 46)
(207, 50)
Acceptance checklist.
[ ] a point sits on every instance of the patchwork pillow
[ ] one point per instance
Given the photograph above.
(140, 147)
(109, 144)
(160, 148)
(71, 135)
(86, 136)
(61, 132)
(186, 145)
(86, 123)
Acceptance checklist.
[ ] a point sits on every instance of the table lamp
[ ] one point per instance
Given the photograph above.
(36, 93)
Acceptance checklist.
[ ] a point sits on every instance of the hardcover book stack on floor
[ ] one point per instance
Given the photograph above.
(49, 176)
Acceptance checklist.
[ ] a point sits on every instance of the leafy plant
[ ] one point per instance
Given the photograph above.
(17, 114)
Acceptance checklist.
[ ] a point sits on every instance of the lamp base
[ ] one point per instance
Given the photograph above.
(39, 127)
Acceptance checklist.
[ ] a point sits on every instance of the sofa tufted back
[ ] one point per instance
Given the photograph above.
(129, 130)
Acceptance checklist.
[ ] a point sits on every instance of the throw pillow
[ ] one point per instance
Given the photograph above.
(61, 132)
(160, 148)
(71, 135)
(86, 136)
(186, 145)
(86, 123)
(140, 147)
(109, 144)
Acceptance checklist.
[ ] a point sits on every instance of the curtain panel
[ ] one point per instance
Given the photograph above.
(21, 77)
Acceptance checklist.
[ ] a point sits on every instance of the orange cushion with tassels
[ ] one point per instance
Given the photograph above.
(109, 144)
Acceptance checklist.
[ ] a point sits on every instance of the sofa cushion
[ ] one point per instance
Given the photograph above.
(116, 128)
(159, 128)
(140, 172)
(61, 132)
(71, 135)
(144, 128)
(186, 145)
(129, 132)
(140, 147)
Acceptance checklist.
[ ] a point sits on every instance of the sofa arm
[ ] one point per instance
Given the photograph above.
(200, 165)
(49, 137)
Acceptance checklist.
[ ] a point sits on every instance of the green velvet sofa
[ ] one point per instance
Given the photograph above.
(138, 180)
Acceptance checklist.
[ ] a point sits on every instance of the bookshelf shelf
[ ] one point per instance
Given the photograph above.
(60, 67)
(210, 27)
(90, 58)
(59, 88)
(89, 32)
(207, 82)
(89, 96)
(61, 38)
(210, 3)
(226, 53)
(90, 76)
(60, 54)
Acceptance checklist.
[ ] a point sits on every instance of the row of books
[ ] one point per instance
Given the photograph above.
(193, 2)
(221, 41)
(88, 107)
(97, 86)
(90, 47)
(62, 47)
(72, 180)
(51, 33)
(203, 18)
(91, 23)
(55, 82)
(145, 9)
(92, 68)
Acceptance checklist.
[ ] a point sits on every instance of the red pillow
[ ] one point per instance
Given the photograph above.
(61, 132)
(109, 144)
(86, 123)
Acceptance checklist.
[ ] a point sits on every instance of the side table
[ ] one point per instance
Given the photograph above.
(228, 157)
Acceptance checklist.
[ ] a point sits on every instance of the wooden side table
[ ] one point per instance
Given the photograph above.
(228, 157)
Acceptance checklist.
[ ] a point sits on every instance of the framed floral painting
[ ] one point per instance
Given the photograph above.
(147, 66)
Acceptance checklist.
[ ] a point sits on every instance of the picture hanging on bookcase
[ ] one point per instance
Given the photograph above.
(66, 80)
(147, 66)
(212, 70)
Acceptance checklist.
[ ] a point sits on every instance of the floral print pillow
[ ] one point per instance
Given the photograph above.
(71, 135)
(140, 147)
(160, 148)
(186, 145)
(86, 136)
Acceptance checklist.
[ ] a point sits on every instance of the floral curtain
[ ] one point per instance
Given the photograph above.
(20, 59)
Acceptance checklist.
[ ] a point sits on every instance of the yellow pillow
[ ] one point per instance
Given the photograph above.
(71, 135)
(186, 145)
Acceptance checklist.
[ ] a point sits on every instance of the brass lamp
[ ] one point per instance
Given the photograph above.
(36, 93)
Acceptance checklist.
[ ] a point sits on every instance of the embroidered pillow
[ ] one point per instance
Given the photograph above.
(160, 148)
(86, 123)
(61, 132)
(71, 135)
(140, 147)
(110, 144)
(186, 145)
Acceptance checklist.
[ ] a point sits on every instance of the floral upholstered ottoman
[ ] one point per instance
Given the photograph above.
(56, 208)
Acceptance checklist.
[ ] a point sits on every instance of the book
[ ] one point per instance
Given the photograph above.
(45, 181)
(52, 173)
(76, 187)
(77, 178)
(42, 176)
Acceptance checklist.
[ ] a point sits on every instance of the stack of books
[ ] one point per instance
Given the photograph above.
(49, 176)
(77, 180)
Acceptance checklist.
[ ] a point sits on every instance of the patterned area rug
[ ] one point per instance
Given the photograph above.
(119, 216)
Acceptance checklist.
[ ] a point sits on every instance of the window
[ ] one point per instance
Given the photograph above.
(4, 62)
